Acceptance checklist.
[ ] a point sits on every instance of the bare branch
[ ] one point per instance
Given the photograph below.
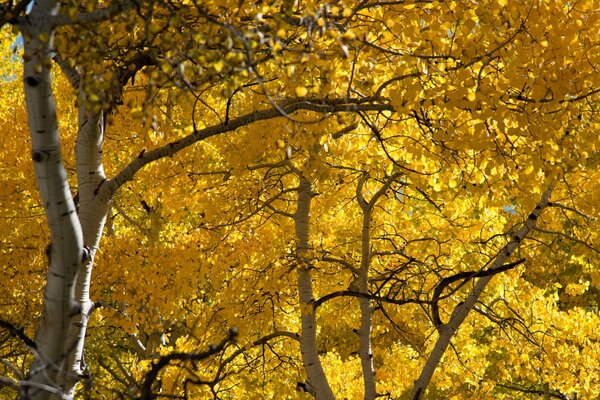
(352, 293)
(258, 342)
(6, 381)
(13, 368)
(554, 394)
(465, 276)
(11, 16)
(99, 15)
(564, 207)
(70, 72)
(571, 238)
(18, 333)
(344, 131)
(163, 361)
(460, 312)
(54, 390)
(343, 263)
(146, 157)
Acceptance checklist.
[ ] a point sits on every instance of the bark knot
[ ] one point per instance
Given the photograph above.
(37, 156)
(31, 81)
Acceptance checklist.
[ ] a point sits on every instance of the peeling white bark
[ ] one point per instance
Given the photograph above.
(448, 330)
(93, 208)
(51, 366)
(317, 383)
(60, 338)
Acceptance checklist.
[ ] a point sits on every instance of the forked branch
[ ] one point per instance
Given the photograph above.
(164, 361)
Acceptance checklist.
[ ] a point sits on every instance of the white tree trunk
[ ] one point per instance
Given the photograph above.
(317, 383)
(366, 311)
(93, 208)
(365, 350)
(447, 331)
(51, 374)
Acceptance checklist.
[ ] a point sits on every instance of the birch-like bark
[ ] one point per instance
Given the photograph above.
(366, 309)
(316, 381)
(93, 208)
(448, 330)
(50, 366)
(366, 313)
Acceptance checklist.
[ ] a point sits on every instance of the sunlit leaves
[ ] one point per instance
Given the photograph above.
(490, 102)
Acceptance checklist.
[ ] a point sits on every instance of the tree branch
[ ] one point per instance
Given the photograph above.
(164, 361)
(6, 381)
(343, 263)
(467, 275)
(571, 238)
(10, 16)
(257, 342)
(461, 311)
(99, 15)
(564, 207)
(556, 395)
(18, 333)
(70, 72)
(352, 293)
(169, 150)
(13, 368)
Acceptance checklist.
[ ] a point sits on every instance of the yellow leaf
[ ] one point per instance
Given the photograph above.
(72, 12)
(595, 278)
(154, 28)
(219, 65)
(137, 112)
(301, 91)
(349, 35)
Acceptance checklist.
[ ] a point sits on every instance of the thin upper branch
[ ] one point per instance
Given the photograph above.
(465, 276)
(571, 238)
(164, 361)
(258, 342)
(170, 149)
(99, 15)
(11, 15)
(352, 293)
(70, 72)
(18, 333)
(565, 207)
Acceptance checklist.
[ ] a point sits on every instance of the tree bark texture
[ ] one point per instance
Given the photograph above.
(52, 374)
(449, 329)
(317, 383)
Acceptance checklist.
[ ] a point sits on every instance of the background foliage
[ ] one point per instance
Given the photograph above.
(429, 132)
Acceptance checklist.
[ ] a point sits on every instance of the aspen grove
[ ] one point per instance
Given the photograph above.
(278, 199)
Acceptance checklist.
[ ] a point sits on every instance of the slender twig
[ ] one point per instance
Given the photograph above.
(164, 361)
(564, 207)
(18, 333)
(571, 238)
